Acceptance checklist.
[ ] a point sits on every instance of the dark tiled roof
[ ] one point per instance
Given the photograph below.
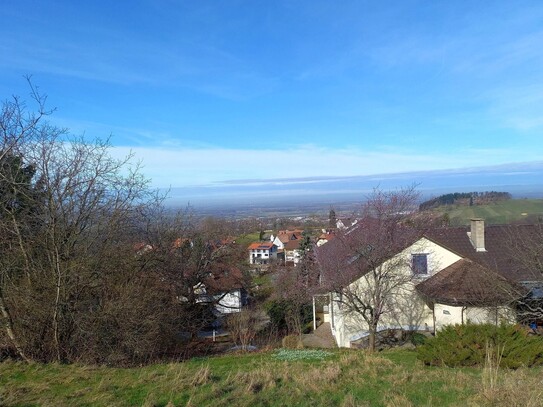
(224, 280)
(368, 242)
(293, 244)
(500, 243)
(479, 278)
(468, 283)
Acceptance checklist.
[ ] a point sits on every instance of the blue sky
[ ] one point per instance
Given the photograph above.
(206, 92)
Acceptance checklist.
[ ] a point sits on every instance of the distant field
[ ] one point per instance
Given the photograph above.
(246, 240)
(499, 213)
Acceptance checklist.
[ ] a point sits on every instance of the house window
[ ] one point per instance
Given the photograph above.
(419, 263)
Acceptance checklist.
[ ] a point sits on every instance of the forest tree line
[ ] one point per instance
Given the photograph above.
(466, 199)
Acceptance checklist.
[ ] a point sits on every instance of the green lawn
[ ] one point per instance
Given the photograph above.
(246, 240)
(499, 213)
(343, 378)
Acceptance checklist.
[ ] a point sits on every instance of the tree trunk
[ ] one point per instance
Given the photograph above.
(56, 336)
(8, 322)
(21, 245)
(372, 337)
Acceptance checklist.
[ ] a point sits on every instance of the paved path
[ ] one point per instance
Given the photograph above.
(320, 338)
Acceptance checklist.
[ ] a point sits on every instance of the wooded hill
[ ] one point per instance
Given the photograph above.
(466, 199)
(510, 211)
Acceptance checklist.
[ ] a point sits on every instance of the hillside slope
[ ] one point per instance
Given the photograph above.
(513, 210)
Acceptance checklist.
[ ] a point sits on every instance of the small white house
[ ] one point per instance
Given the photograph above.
(325, 237)
(285, 236)
(225, 302)
(225, 290)
(262, 252)
(293, 254)
(345, 223)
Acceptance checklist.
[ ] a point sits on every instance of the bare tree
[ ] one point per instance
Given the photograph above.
(67, 215)
(292, 295)
(243, 326)
(294, 287)
(75, 281)
(362, 267)
(524, 246)
(18, 128)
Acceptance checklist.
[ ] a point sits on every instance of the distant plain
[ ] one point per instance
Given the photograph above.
(305, 196)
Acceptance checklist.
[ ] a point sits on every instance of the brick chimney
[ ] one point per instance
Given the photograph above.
(477, 234)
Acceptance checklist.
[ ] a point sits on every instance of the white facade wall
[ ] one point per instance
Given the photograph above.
(278, 243)
(337, 322)
(447, 315)
(293, 255)
(256, 255)
(406, 309)
(225, 303)
(229, 302)
(320, 242)
(450, 315)
(491, 315)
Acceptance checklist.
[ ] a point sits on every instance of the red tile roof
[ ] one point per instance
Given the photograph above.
(261, 246)
(286, 235)
(293, 244)
(327, 236)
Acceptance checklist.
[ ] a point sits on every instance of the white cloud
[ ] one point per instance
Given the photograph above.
(196, 166)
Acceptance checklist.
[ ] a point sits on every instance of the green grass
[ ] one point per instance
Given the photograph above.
(341, 378)
(499, 213)
(246, 240)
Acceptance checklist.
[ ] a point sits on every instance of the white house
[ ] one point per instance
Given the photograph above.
(225, 290)
(293, 254)
(226, 301)
(448, 276)
(285, 236)
(262, 252)
(325, 237)
(345, 223)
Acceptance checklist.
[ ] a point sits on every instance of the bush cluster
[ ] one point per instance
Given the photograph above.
(467, 345)
(292, 342)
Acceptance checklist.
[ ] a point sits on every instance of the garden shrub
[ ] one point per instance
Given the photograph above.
(466, 345)
(417, 338)
(279, 311)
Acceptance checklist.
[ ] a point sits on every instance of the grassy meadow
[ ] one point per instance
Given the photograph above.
(247, 239)
(497, 213)
(291, 378)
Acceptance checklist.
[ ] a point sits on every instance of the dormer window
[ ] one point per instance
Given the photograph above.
(419, 264)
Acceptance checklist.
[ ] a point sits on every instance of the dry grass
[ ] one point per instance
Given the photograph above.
(521, 387)
(347, 378)
(201, 376)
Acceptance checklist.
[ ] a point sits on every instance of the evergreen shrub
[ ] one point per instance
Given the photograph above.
(467, 345)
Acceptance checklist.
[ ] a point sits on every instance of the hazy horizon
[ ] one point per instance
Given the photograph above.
(520, 179)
